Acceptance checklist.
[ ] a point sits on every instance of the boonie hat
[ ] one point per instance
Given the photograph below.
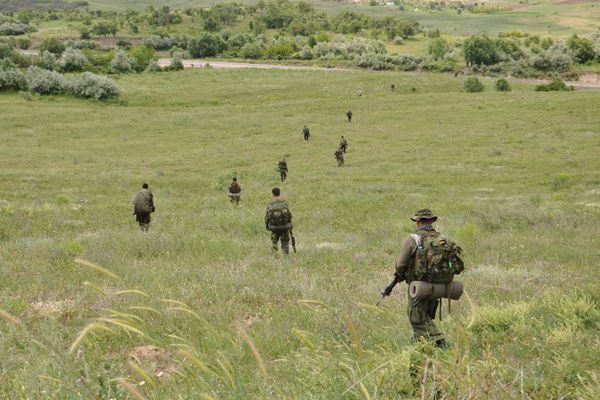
(424, 213)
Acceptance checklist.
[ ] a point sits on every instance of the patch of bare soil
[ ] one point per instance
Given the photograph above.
(155, 360)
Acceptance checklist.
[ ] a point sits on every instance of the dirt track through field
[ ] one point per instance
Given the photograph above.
(164, 62)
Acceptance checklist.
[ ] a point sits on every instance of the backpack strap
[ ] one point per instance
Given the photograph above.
(418, 240)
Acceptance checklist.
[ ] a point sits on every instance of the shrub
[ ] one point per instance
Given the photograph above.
(502, 85)
(251, 51)
(555, 86)
(473, 85)
(158, 42)
(11, 29)
(306, 53)
(12, 79)
(153, 66)
(23, 43)
(53, 45)
(6, 50)
(206, 45)
(176, 63)
(121, 62)
(48, 61)
(93, 86)
(42, 81)
(556, 58)
(83, 44)
(73, 60)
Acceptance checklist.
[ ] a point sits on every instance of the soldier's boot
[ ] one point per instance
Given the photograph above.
(145, 227)
(441, 344)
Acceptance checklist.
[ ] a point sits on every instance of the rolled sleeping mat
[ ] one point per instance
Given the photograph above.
(422, 290)
(280, 228)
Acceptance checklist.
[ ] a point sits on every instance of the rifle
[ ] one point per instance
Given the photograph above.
(388, 290)
(293, 240)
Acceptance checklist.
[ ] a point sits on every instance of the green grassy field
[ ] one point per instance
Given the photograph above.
(513, 176)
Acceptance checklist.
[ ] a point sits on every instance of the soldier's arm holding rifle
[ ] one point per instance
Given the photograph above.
(407, 251)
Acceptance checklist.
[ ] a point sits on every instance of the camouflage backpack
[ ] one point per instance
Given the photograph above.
(278, 214)
(142, 202)
(437, 258)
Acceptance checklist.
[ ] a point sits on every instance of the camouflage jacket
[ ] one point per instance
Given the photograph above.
(277, 204)
(405, 264)
(283, 166)
(143, 202)
(235, 188)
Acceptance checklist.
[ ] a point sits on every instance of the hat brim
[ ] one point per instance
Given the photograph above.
(433, 218)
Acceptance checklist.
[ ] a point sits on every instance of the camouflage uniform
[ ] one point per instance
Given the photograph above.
(143, 206)
(339, 156)
(234, 192)
(349, 115)
(306, 133)
(343, 144)
(421, 313)
(283, 170)
(277, 235)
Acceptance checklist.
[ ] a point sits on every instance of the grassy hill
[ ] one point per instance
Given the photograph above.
(513, 176)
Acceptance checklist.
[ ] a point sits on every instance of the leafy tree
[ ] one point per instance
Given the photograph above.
(142, 55)
(73, 60)
(206, 45)
(210, 24)
(480, 50)
(53, 45)
(105, 29)
(582, 49)
(438, 47)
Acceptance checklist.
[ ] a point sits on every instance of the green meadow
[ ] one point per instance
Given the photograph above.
(514, 178)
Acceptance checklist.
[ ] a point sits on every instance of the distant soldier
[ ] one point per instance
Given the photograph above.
(343, 144)
(339, 156)
(393, 87)
(234, 191)
(143, 206)
(283, 170)
(278, 220)
(349, 115)
(306, 132)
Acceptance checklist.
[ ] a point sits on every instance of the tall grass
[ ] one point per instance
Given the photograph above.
(104, 310)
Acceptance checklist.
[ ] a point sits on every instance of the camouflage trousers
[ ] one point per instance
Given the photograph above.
(144, 220)
(283, 175)
(421, 314)
(284, 236)
(340, 161)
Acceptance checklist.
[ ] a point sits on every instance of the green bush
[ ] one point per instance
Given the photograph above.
(89, 85)
(555, 86)
(53, 45)
(473, 85)
(502, 85)
(42, 81)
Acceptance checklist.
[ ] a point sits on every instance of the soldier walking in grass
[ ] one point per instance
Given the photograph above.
(234, 191)
(343, 144)
(283, 170)
(339, 156)
(306, 132)
(426, 256)
(349, 115)
(278, 220)
(143, 206)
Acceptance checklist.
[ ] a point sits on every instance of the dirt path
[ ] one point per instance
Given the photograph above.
(164, 62)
